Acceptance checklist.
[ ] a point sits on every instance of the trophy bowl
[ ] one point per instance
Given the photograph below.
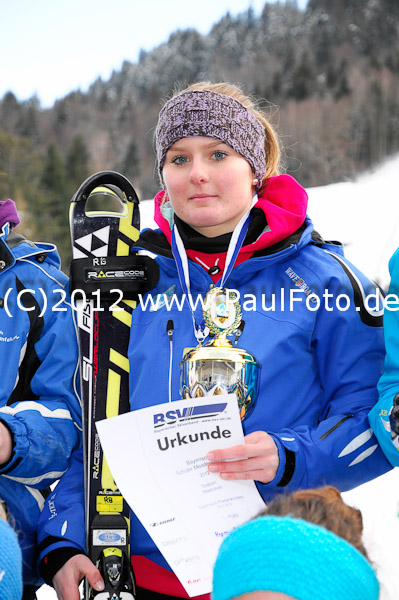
(219, 368)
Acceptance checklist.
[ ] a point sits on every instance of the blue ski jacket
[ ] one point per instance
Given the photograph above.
(388, 385)
(38, 403)
(321, 353)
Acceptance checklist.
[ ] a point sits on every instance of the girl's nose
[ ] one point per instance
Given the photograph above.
(198, 172)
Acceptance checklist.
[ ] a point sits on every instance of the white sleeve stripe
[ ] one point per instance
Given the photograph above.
(52, 475)
(38, 496)
(21, 358)
(358, 441)
(58, 413)
(363, 455)
(386, 425)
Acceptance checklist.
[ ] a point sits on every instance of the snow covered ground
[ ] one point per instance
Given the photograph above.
(363, 214)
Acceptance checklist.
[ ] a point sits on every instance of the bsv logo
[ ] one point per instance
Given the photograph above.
(192, 412)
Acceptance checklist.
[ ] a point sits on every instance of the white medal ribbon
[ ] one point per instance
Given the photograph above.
(180, 256)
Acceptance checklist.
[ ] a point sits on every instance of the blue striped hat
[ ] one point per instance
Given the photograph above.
(293, 557)
(10, 564)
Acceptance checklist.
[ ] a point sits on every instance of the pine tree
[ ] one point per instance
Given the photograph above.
(54, 203)
(303, 79)
(28, 121)
(130, 166)
(10, 112)
(53, 176)
(77, 163)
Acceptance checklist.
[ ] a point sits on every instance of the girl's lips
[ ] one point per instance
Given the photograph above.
(202, 197)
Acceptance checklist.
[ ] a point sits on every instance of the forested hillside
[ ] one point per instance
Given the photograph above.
(328, 79)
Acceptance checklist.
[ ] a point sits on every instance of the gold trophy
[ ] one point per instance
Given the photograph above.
(218, 367)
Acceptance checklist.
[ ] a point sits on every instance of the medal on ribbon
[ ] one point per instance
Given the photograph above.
(217, 367)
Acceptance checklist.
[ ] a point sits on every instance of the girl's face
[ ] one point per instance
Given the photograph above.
(209, 184)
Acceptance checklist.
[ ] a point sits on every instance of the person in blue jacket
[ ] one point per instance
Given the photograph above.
(384, 416)
(227, 217)
(40, 414)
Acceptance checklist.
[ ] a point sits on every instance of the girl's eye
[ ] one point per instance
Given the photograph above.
(179, 160)
(219, 155)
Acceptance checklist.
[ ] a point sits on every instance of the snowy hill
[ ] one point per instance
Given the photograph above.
(363, 214)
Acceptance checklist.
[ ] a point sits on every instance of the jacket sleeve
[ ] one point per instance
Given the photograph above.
(61, 527)
(43, 410)
(340, 449)
(388, 385)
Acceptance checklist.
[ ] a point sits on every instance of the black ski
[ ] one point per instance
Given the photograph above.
(105, 280)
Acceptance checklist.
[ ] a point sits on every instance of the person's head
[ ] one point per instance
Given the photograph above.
(215, 148)
(290, 553)
(10, 561)
(322, 506)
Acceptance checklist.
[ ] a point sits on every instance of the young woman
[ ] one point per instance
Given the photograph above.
(227, 218)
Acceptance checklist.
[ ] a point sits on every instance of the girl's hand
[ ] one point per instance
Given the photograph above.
(66, 580)
(257, 459)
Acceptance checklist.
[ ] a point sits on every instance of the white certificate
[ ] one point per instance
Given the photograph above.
(164, 478)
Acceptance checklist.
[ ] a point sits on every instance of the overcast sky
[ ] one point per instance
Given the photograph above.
(52, 47)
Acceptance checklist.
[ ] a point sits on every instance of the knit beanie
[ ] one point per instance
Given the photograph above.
(210, 114)
(10, 564)
(293, 557)
(8, 213)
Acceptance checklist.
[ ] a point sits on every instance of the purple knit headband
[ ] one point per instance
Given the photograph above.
(210, 114)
